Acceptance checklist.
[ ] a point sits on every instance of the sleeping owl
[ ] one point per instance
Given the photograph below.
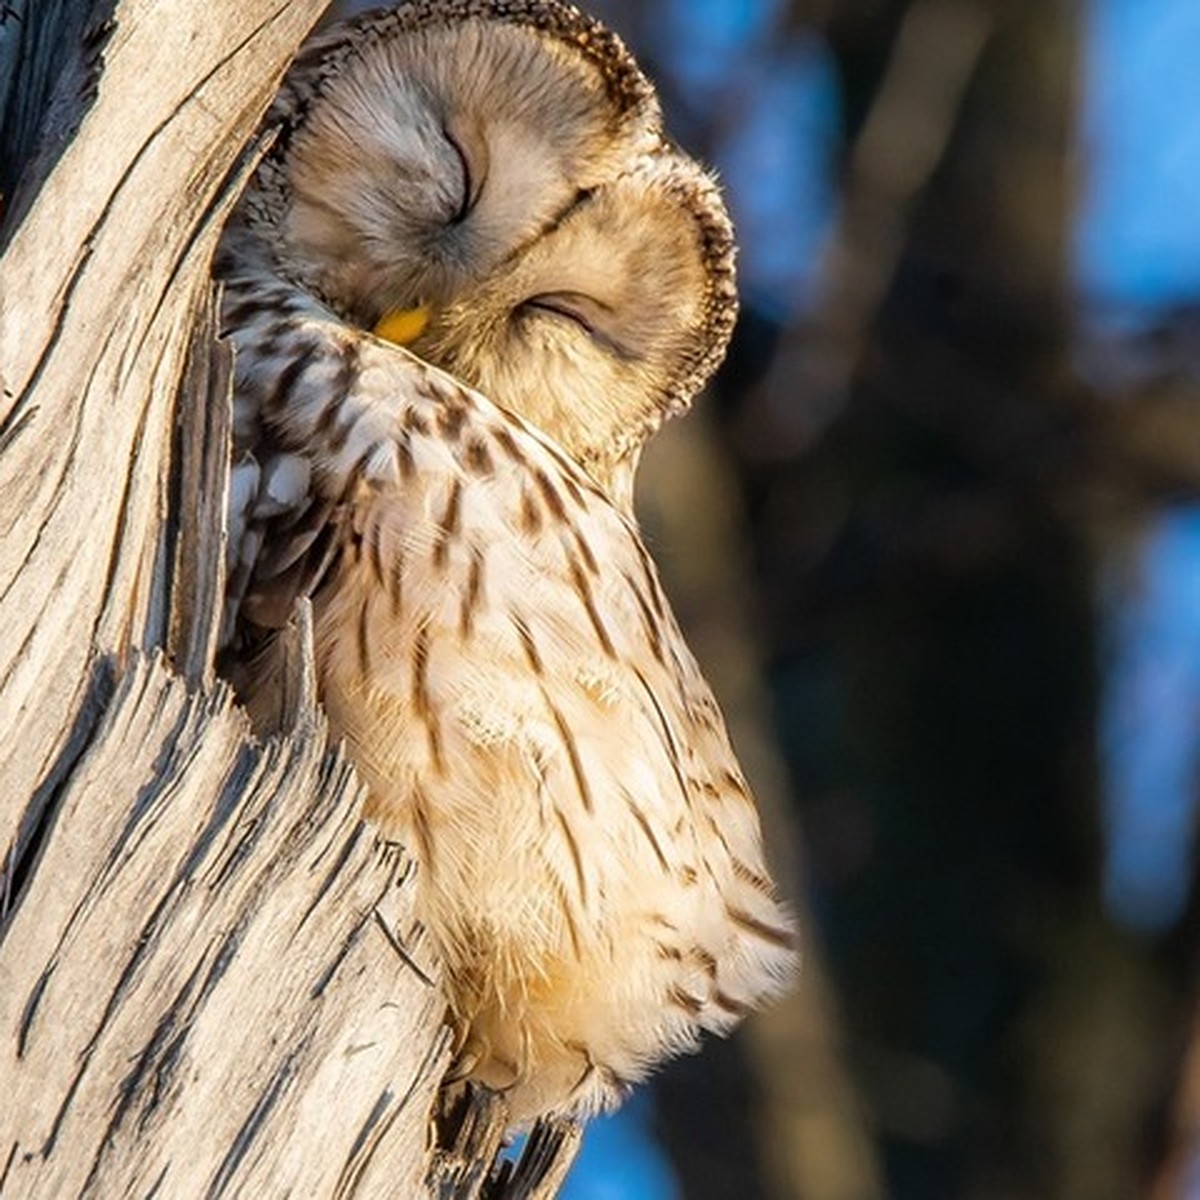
(492, 639)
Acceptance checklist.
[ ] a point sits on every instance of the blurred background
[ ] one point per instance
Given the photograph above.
(934, 537)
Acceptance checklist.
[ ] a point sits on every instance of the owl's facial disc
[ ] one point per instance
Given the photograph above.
(433, 155)
(607, 323)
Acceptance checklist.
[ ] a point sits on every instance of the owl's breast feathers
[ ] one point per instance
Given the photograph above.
(495, 646)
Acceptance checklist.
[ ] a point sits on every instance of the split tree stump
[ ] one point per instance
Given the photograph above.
(211, 981)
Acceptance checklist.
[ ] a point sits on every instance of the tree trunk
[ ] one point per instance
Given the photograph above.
(211, 980)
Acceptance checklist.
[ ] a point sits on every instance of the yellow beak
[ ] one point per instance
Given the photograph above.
(402, 325)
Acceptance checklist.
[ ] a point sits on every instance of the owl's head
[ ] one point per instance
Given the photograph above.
(501, 163)
(609, 322)
(422, 146)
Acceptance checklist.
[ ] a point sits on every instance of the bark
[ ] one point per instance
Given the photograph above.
(211, 979)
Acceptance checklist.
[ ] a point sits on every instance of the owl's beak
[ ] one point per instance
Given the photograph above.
(402, 325)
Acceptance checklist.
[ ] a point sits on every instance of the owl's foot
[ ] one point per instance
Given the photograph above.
(466, 1058)
(475, 1059)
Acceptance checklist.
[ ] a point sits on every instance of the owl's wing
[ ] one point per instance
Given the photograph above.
(493, 630)
(307, 418)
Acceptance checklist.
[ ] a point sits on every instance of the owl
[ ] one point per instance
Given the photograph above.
(416, 149)
(491, 635)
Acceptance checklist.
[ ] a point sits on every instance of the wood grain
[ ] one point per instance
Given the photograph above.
(211, 979)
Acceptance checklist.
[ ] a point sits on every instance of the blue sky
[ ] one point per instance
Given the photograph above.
(1137, 250)
(1138, 237)
(1150, 724)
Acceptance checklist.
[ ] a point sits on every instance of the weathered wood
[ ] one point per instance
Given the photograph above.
(543, 1166)
(211, 982)
(469, 1163)
(45, 53)
(196, 994)
(211, 979)
(195, 527)
(100, 287)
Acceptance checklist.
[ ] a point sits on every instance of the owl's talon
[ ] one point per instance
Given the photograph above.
(465, 1060)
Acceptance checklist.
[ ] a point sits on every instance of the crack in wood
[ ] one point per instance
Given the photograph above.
(255, 1122)
(185, 879)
